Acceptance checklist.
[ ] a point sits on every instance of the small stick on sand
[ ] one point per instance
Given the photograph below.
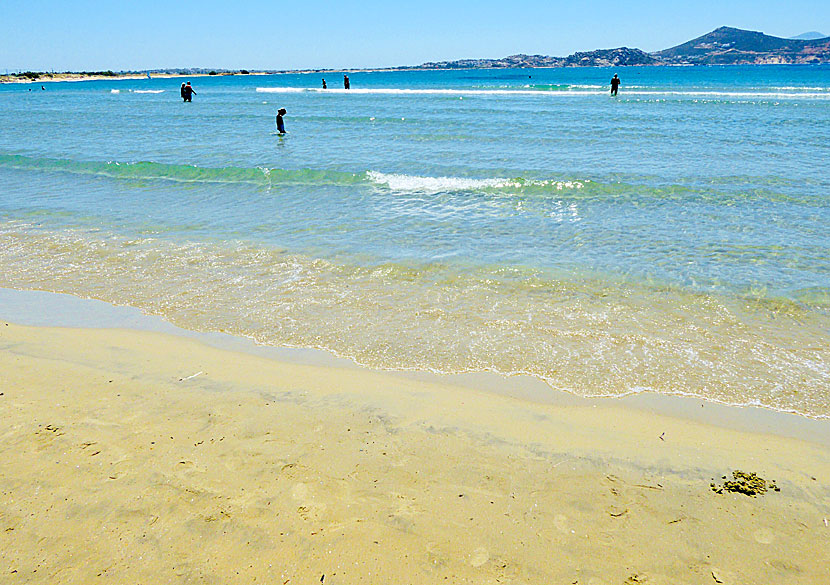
(191, 377)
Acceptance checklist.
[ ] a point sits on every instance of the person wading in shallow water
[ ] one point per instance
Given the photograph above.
(615, 83)
(189, 92)
(280, 124)
(324, 84)
(345, 82)
(184, 99)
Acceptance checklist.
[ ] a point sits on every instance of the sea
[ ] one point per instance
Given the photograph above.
(674, 239)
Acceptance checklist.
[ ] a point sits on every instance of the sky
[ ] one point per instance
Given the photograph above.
(61, 35)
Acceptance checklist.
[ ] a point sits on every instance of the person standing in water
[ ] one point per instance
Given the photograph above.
(345, 82)
(280, 124)
(182, 92)
(615, 83)
(189, 92)
(324, 84)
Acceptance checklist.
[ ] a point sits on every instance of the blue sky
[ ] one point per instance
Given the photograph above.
(255, 34)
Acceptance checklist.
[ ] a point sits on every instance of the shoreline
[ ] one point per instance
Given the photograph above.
(75, 77)
(146, 456)
(51, 309)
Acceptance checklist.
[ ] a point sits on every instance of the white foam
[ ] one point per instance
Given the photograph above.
(417, 184)
(802, 88)
(148, 91)
(399, 91)
(115, 91)
(399, 182)
(541, 92)
(732, 94)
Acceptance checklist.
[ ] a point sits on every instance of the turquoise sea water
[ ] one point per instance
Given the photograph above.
(674, 239)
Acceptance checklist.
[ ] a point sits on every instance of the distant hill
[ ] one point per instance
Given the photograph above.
(610, 57)
(733, 46)
(622, 56)
(809, 36)
(511, 62)
(722, 46)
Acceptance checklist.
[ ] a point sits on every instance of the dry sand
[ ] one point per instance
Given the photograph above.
(119, 464)
(52, 77)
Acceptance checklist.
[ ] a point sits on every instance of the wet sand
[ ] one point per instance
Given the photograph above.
(145, 457)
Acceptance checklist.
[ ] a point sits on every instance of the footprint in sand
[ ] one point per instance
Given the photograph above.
(308, 508)
(763, 536)
(479, 557)
(300, 492)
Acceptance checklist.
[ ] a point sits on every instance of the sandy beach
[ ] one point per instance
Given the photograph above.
(142, 457)
(54, 77)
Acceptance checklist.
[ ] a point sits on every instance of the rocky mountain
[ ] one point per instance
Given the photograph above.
(513, 61)
(722, 46)
(733, 46)
(600, 58)
(622, 56)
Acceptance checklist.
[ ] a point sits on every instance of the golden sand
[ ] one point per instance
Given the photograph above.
(137, 457)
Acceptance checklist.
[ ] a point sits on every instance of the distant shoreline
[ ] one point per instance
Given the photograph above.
(724, 46)
(75, 77)
(53, 77)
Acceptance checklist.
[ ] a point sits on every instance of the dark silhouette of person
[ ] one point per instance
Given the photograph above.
(184, 97)
(345, 82)
(189, 92)
(280, 124)
(324, 84)
(43, 88)
(615, 83)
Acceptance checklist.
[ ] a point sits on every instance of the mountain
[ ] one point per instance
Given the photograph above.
(600, 58)
(722, 46)
(511, 62)
(610, 57)
(733, 46)
(809, 36)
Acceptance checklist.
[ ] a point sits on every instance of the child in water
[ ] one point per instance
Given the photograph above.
(280, 124)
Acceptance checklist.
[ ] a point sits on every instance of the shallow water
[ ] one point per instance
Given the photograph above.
(673, 239)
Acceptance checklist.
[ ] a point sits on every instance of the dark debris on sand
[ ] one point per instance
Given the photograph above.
(749, 484)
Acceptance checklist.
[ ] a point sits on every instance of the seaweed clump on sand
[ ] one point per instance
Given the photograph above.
(749, 484)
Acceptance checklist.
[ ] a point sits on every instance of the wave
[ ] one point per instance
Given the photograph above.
(408, 91)
(802, 88)
(139, 91)
(268, 177)
(589, 335)
(581, 90)
(144, 170)
(734, 94)
(632, 188)
(412, 183)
